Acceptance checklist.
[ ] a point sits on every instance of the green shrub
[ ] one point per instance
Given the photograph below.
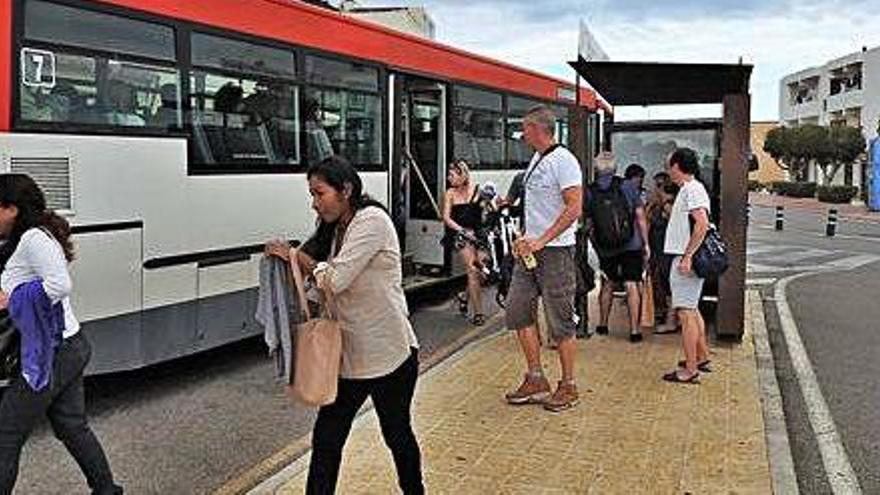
(837, 194)
(795, 189)
(755, 185)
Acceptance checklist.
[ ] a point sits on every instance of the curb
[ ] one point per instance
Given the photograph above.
(782, 472)
(838, 469)
(271, 473)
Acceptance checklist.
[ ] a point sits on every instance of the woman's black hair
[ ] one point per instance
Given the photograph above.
(337, 173)
(671, 188)
(21, 191)
(633, 171)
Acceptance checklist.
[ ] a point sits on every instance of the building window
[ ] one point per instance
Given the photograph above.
(477, 128)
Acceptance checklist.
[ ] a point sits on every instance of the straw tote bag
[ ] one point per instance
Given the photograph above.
(318, 348)
(647, 309)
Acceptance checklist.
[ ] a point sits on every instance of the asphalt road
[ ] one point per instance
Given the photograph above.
(188, 426)
(837, 312)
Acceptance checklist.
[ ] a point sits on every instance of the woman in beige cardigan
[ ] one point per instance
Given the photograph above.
(355, 256)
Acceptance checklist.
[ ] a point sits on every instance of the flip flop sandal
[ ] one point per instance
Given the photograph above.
(705, 366)
(665, 332)
(673, 377)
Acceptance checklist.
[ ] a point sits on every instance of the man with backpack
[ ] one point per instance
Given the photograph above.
(619, 233)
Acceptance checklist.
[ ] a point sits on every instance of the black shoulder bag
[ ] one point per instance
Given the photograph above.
(711, 259)
(10, 349)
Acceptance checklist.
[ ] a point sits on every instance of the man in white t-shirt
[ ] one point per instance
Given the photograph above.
(691, 208)
(552, 206)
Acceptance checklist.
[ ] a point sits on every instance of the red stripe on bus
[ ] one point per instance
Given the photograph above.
(6, 58)
(297, 23)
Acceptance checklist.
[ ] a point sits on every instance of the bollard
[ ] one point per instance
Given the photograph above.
(748, 212)
(831, 227)
(780, 217)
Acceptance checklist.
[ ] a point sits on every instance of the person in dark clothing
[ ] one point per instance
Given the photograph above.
(38, 247)
(658, 211)
(463, 217)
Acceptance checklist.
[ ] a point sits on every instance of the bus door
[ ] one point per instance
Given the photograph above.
(422, 162)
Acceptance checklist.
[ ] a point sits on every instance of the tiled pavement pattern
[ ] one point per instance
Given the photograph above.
(632, 433)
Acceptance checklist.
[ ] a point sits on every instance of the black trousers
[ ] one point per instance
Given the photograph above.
(63, 401)
(392, 395)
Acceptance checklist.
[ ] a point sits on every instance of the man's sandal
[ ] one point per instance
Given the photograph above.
(705, 366)
(674, 377)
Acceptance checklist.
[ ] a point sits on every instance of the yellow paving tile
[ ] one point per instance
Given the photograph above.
(632, 432)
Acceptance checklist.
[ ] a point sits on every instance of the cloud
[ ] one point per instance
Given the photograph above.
(776, 37)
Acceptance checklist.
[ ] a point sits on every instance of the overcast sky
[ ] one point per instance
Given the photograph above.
(777, 37)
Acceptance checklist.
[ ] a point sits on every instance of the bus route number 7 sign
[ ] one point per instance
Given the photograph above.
(37, 68)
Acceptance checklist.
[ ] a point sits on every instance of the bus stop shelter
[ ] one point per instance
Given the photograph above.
(644, 84)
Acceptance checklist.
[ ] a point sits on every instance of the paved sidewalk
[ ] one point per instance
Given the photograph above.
(632, 433)
(857, 213)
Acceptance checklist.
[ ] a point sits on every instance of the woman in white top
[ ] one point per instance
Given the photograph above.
(37, 245)
(360, 266)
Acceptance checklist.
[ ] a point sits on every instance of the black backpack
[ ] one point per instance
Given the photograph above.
(612, 218)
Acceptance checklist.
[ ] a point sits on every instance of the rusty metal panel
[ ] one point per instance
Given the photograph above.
(734, 200)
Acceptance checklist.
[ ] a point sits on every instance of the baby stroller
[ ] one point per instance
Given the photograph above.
(499, 236)
(499, 228)
(494, 242)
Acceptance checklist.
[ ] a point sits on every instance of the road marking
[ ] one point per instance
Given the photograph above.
(782, 470)
(760, 281)
(765, 248)
(847, 263)
(799, 255)
(838, 469)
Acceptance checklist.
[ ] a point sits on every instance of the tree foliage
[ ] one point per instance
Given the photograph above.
(828, 148)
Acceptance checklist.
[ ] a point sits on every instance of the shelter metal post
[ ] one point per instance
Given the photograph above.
(734, 201)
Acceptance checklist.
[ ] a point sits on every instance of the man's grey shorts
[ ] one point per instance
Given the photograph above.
(555, 279)
(686, 289)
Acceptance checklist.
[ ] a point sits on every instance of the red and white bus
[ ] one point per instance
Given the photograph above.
(174, 136)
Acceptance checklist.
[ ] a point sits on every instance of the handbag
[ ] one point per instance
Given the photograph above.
(318, 355)
(10, 349)
(711, 258)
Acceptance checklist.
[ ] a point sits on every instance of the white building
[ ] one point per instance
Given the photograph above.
(844, 91)
(412, 20)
